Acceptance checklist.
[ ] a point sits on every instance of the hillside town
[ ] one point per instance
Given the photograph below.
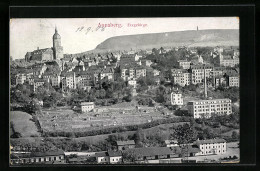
(159, 105)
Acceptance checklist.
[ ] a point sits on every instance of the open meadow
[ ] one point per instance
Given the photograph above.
(23, 124)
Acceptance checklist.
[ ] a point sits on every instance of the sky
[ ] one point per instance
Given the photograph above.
(81, 34)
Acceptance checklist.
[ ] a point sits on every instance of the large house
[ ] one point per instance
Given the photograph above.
(176, 99)
(211, 146)
(181, 77)
(197, 73)
(204, 108)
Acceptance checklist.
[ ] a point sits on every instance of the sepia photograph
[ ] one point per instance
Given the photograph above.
(117, 91)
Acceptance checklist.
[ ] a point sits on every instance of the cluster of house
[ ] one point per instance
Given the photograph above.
(219, 76)
(87, 70)
(170, 150)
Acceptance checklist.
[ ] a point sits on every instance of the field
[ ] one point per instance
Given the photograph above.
(23, 124)
(65, 119)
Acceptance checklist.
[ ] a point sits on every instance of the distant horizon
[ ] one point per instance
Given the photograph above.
(73, 41)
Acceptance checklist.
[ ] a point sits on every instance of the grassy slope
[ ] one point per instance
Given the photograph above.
(23, 124)
(180, 38)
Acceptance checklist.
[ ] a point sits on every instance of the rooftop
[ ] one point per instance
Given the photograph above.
(210, 141)
(152, 151)
(86, 103)
(209, 100)
(130, 142)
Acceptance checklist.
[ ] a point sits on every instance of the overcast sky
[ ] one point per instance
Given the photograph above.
(28, 34)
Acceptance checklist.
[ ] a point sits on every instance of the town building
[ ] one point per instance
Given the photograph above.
(233, 80)
(181, 77)
(68, 80)
(131, 71)
(109, 157)
(176, 99)
(37, 83)
(108, 73)
(171, 143)
(228, 60)
(197, 73)
(211, 146)
(124, 145)
(205, 108)
(184, 64)
(87, 106)
(219, 81)
(47, 54)
(38, 157)
(132, 83)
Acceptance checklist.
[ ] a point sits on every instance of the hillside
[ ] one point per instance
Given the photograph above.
(180, 38)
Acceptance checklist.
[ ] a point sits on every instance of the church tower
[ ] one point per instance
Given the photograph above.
(57, 48)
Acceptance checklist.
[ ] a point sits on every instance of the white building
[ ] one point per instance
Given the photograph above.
(111, 157)
(181, 77)
(204, 108)
(211, 146)
(87, 106)
(171, 143)
(197, 73)
(132, 83)
(176, 99)
(233, 81)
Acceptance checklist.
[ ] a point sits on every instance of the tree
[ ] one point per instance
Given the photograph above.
(235, 135)
(130, 156)
(184, 134)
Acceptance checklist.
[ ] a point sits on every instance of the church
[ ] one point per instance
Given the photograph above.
(47, 54)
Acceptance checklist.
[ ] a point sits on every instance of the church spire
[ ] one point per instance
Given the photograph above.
(56, 31)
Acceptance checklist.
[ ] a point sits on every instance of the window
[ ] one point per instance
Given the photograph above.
(49, 158)
(54, 158)
(40, 159)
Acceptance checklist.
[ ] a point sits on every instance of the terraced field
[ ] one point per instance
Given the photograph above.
(64, 119)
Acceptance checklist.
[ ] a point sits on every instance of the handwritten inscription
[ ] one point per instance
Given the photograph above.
(102, 26)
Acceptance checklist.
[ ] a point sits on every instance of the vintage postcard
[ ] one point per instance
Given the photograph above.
(124, 90)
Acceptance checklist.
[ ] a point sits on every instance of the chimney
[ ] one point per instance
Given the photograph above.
(37, 48)
(205, 83)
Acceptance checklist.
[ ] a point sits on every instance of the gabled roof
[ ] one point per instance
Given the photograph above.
(86, 103)
(48, 153)
(114, 153)
(101, 154)
(210, 141)
(152, 151)
(130, 142)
